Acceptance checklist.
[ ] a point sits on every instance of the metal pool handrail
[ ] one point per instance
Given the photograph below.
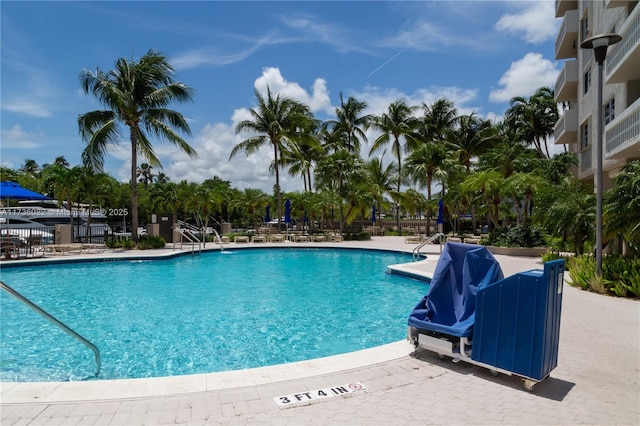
(416, 251)
(54, 321)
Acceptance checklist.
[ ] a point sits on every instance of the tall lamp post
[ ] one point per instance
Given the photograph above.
(599, 43)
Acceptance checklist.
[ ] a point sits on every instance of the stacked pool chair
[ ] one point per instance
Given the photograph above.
(473, 314)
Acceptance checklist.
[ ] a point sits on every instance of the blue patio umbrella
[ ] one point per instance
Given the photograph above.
(287, 211)
(373, 213)
(14, 191)
(267, 218)
(440, 218)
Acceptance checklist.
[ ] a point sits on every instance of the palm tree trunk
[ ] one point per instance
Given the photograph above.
(278, 197)
(429, 211)
(399, 181)
(134, 186)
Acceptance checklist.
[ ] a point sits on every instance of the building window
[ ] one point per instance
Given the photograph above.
(587, 80)
(584, 135)
(609, 110)
(584, 26)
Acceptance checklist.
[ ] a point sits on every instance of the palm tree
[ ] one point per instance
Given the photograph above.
(64, 184)
(302, 153)
(145, 174)
(30, 168)
(379, 181)
(523, 186)
(622, 209)
(136, 95)
(534, 118)
(489, 184)
(62, 162)
(252, 203)
(90, 187)
(342, 171)
(569, 211)
(396, 124)
(472, 137)
(422, 164)
(508, 158)
(439, 119)
(275, 120)
(348, 127)
(559, 166)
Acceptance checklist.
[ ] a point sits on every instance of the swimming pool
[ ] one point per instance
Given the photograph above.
(205, 313)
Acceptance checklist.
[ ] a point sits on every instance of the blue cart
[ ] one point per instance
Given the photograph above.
(473, 314)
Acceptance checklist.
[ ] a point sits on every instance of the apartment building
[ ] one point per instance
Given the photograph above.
(576, 86)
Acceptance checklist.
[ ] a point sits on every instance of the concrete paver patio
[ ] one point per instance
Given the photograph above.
(597, 380)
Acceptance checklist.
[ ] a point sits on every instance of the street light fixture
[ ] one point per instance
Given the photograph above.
(599, 43)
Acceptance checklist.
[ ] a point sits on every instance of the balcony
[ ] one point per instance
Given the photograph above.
(610, 4)
(566, 129)
(623, 59)
(566, 88)
(563, 5)
(567, 40)
(586, 162)
(623, 134)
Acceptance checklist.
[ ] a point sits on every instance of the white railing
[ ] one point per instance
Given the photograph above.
(630, 33)
(624, 130)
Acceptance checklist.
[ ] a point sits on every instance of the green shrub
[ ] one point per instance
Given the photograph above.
(120, 243)
(357, 236)
(146, 242)
(551, 255)
(516, 236)
(620, 275)
(623, 274)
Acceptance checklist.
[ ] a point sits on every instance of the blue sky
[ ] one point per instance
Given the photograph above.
(478, 54)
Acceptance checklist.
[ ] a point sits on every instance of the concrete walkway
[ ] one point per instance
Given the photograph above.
(597, 381)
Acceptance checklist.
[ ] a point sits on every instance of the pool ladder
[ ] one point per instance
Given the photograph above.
(189, 232)
(55, 322)
(416, 251)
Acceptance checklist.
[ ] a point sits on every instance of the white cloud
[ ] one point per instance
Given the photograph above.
(312, 28)
(17, 138)
(213, 56)
(536, 23)
(216, 140)
(317, 100)
(378, 99)
(524, 77)
(431, 37)
(33, 108)
(214, 144)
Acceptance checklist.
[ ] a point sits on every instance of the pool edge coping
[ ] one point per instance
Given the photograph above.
(104, 390)
(59, 392)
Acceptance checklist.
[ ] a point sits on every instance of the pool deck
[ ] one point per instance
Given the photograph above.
(597, 380)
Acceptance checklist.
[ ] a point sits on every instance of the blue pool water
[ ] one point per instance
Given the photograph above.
(205, 313)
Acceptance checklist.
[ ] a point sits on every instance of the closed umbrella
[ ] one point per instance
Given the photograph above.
(440, 219)
(267, 218)
(287, 215)
(287, 211)
(373, 213)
